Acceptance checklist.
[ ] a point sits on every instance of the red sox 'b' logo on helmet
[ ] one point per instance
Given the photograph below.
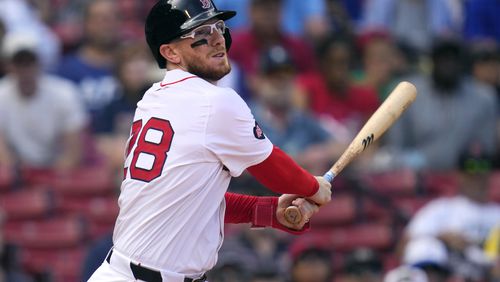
(206, 4)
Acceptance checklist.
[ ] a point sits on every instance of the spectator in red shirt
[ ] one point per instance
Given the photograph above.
(379, 57)
(330, 93)
(265, 31)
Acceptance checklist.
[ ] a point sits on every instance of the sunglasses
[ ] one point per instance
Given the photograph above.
(206, 30)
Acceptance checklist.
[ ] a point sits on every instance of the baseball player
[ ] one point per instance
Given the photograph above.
(188, 138)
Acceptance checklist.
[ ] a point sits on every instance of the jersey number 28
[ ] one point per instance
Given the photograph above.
(150, 154)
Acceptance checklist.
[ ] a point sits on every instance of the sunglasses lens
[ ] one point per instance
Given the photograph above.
(204, 31)
(221, 27)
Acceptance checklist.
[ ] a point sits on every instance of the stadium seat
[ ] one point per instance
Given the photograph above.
(85, 181)
(36, 176)
(50, 233)
(345, 239)
(64, 265)
(410, 205)
(26, 204)
(440, 183)
(376, 236)
(494, 186)
(95, 208)
(339, 210)
(397, 182)
(99, 229)
(99, 211)
(373, 210)
(82, 181)
(6, 179)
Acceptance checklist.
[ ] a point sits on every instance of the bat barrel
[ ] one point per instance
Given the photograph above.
(396, 103)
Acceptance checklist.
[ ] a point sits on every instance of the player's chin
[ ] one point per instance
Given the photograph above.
(221, 68)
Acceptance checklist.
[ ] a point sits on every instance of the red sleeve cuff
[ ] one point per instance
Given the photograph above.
(283, 175)
(264, 215)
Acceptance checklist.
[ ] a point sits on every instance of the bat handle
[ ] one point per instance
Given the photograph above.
(293, 214)
(329, 176)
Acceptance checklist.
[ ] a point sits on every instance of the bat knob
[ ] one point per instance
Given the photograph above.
(293, 215)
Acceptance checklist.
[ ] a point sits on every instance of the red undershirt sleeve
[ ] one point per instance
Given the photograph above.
(283, 175)
(260, 211)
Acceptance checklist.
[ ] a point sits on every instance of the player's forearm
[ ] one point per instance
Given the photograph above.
(281, 174)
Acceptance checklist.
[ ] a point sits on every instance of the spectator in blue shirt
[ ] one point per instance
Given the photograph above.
(414, 22)
(482, 19)
(300, 18)
(91, 66)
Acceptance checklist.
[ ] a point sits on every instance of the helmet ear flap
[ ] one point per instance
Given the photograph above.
(228, 39)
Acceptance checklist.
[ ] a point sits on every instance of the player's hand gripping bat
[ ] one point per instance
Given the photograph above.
(384, 117)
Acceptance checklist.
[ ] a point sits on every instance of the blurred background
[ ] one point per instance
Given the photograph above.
(422, 204)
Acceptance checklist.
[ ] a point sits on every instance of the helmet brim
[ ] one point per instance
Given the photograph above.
(206, 16)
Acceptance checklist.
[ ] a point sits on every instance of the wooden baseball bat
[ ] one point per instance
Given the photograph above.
(396, 103)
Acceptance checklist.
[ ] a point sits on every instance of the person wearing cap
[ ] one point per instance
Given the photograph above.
(41, 118)
(461, 222)
(292, 129)
(430, 255)
(406, 274)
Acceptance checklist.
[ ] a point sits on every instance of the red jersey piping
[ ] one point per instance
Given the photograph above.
(170, 83)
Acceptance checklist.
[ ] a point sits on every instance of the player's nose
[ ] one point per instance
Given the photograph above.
(217, 38)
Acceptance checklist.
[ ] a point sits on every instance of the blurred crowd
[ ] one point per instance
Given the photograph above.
(422, 204)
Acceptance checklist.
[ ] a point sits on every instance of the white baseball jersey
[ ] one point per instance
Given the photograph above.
(188, 139)
(456, 214)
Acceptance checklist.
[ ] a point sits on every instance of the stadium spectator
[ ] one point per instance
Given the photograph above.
(290, 128)
(41, 118)
(378, 55)
(229, 269)
(134, 74)
(263, 32)
(481, 20)
(95, 255)
(268, 274)
(306, 19)
(485, 58)
(430, 255)
(363, 265)
(339, 19)
(416, 23)
(464, 221)
(312, 265)
(20, 16)
(443, 121)
(406, 274)
(492, 250)
(331, 94)
(91, 66)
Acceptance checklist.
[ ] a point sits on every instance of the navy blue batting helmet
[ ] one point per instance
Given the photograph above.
(169, 19)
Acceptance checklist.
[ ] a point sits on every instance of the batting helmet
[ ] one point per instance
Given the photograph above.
(169, 19)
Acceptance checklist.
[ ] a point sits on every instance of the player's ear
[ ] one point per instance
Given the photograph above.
(170, 53)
